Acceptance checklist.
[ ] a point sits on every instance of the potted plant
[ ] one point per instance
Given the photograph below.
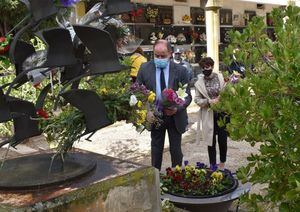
(151, 14)
(186, 19)
(197, 182)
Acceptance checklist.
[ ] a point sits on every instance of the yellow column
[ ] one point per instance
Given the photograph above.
(212, 24)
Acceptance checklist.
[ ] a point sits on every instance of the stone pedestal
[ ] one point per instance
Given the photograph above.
(114, 186)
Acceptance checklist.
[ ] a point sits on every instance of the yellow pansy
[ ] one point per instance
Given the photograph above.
(103, 91)
(178, 168)
(139, 104)
(151, 97)
(217, 175)
(141, 116)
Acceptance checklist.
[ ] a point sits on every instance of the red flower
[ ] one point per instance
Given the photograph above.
(4, 45)
(136, 13)
(42, 113)
(178, 177)
(37, 85)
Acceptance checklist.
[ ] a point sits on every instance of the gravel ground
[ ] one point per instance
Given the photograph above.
(122, 141)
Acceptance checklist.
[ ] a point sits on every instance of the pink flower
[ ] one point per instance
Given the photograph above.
(179, 101)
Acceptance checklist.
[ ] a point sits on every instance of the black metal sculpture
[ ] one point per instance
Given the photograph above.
(75, 58)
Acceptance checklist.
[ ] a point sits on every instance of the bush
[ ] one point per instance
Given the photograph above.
(265, 107)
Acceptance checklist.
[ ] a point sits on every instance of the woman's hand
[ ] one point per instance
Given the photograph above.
(214, 101)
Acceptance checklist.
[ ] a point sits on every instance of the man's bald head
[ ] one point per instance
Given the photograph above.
(162, 49)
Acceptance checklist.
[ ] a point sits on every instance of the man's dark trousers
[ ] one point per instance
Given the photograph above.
(158, 140)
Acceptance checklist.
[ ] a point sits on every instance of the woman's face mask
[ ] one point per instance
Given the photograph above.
(161, 63)
(207, 72)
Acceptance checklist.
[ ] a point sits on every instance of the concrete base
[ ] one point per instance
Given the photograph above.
(114, 186)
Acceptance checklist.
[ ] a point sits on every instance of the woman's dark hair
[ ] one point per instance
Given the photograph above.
(206, 61)
(140, 51)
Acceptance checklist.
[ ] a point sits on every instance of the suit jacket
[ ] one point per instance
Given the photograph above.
(177, 74)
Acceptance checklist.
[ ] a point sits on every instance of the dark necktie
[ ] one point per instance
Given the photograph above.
(162, 80)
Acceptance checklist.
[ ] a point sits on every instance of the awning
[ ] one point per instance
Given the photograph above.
(276, 2)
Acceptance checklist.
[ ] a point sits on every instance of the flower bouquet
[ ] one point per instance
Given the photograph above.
(151, 14)
(171, 39)
(181, 39)
(142, 101)
(171, 98)
(197, 181)
(153, 37)
(202, 37)
(200, 19)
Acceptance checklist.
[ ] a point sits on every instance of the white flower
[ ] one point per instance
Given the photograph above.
(252, 93)
(285, 19)
(181, 92)
(133, 100)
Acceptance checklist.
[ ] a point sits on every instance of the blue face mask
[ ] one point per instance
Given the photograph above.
(161, 63)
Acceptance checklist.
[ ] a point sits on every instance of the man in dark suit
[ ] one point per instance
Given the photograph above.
(156, 75)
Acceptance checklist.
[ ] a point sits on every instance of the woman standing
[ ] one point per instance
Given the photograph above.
(207, 88)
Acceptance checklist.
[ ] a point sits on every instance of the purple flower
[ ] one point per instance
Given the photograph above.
(174, 96)
(213, 167)
(179, 101)
(134, 86)
(68, 3)
(144, 90)
(186, 162)
(234, 79)
(200, 165)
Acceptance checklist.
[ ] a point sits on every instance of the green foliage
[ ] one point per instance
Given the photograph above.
(12, 11)
(167, 206)
(63, 130)
(265, 107)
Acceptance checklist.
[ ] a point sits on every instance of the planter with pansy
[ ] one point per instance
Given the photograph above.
(199, 188)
